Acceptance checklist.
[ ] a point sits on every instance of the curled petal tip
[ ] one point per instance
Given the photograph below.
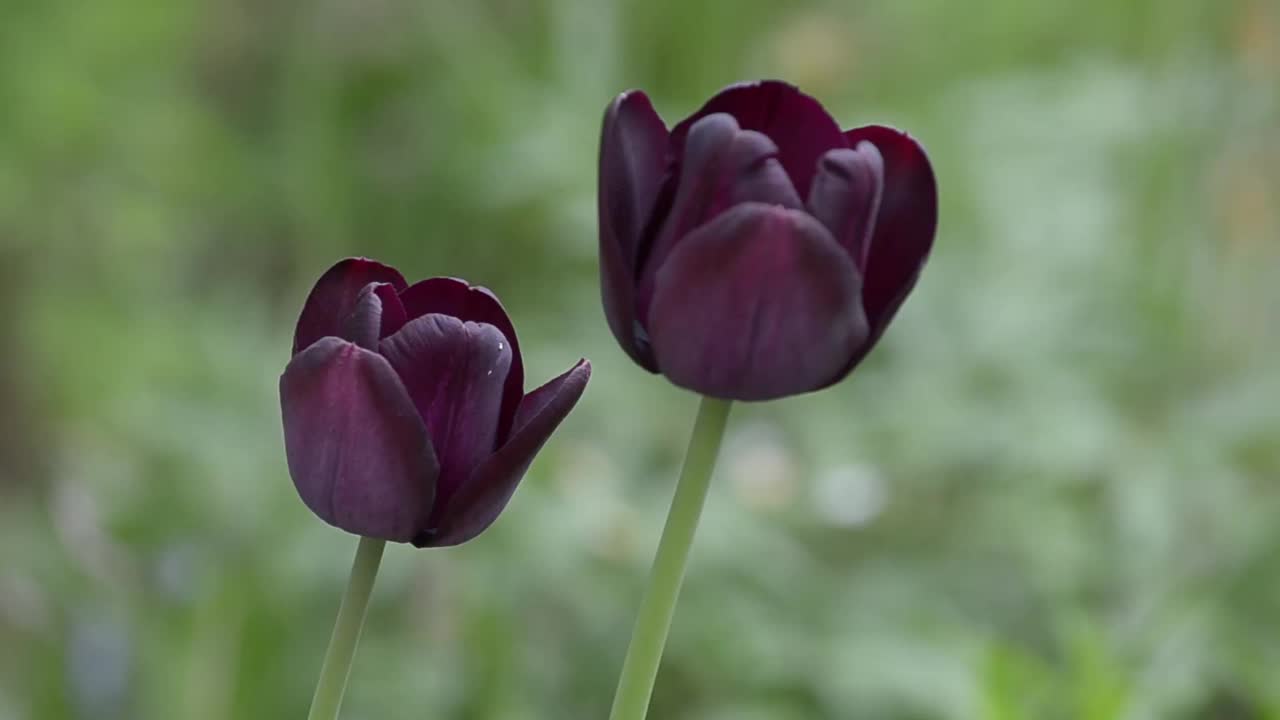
(334, 297)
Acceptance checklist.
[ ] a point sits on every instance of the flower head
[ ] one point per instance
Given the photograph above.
(405, 416)
(756, 250)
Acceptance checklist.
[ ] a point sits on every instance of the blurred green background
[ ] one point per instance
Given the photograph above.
(1052, 492)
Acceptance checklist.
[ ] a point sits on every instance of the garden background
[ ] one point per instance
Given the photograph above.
(1052, 492)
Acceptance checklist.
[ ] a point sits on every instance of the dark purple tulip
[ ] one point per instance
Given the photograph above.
(405, 416)
(756, 250)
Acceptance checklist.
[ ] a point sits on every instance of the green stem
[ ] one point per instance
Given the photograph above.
(640, 669)
(346, 631)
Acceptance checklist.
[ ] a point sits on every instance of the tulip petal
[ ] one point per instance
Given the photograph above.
(454, 372)
(472, 303)
(393, 312)
(334, 297)
(633, 161)
(722, 166)
(758, 304)
(845, 197)
(377, 312)
(905, 224)
(357, 451)
(475, 506)
(801, 127)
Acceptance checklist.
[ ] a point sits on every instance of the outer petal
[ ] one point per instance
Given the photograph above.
(454, 372)
(905, 226)
(633, 161)
(358, 453)
(846, 195)
(800, 126)
(759, 304)
(473, 303)
(474, 508)
(723, 165)
(334, 297)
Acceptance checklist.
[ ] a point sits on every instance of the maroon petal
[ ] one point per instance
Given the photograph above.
(477, 504)
(334, 297)
(759, 304)
(723, 165)
(472, 303)
(905, 224)
(393, 313)
(801, 127)
(358, 453)
(845, 195)
(454, 372)
(377, 313)
(633, 159)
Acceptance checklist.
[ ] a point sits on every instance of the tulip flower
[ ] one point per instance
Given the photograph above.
(756, 250)
(751, 252)
(405, 417)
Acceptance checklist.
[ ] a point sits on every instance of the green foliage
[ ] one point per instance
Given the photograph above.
(1050, 493)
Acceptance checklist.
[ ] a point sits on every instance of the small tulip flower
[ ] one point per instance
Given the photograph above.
(756, 250)
(405, 417)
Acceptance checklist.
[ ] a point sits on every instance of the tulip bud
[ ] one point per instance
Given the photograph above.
(404, 410)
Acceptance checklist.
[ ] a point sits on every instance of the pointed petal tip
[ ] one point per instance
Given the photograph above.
(484, 496)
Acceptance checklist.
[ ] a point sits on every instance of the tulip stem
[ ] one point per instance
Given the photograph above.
(346, 631)
(658, 605)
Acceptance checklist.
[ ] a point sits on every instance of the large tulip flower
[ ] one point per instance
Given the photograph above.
(756, 250)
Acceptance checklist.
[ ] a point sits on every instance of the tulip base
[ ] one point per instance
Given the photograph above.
(640, 669)
(346, 631)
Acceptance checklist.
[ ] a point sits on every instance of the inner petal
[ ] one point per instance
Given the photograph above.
(457, 298)
(845, 197)
(723, 166)
(454, 371)
(801, 127)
